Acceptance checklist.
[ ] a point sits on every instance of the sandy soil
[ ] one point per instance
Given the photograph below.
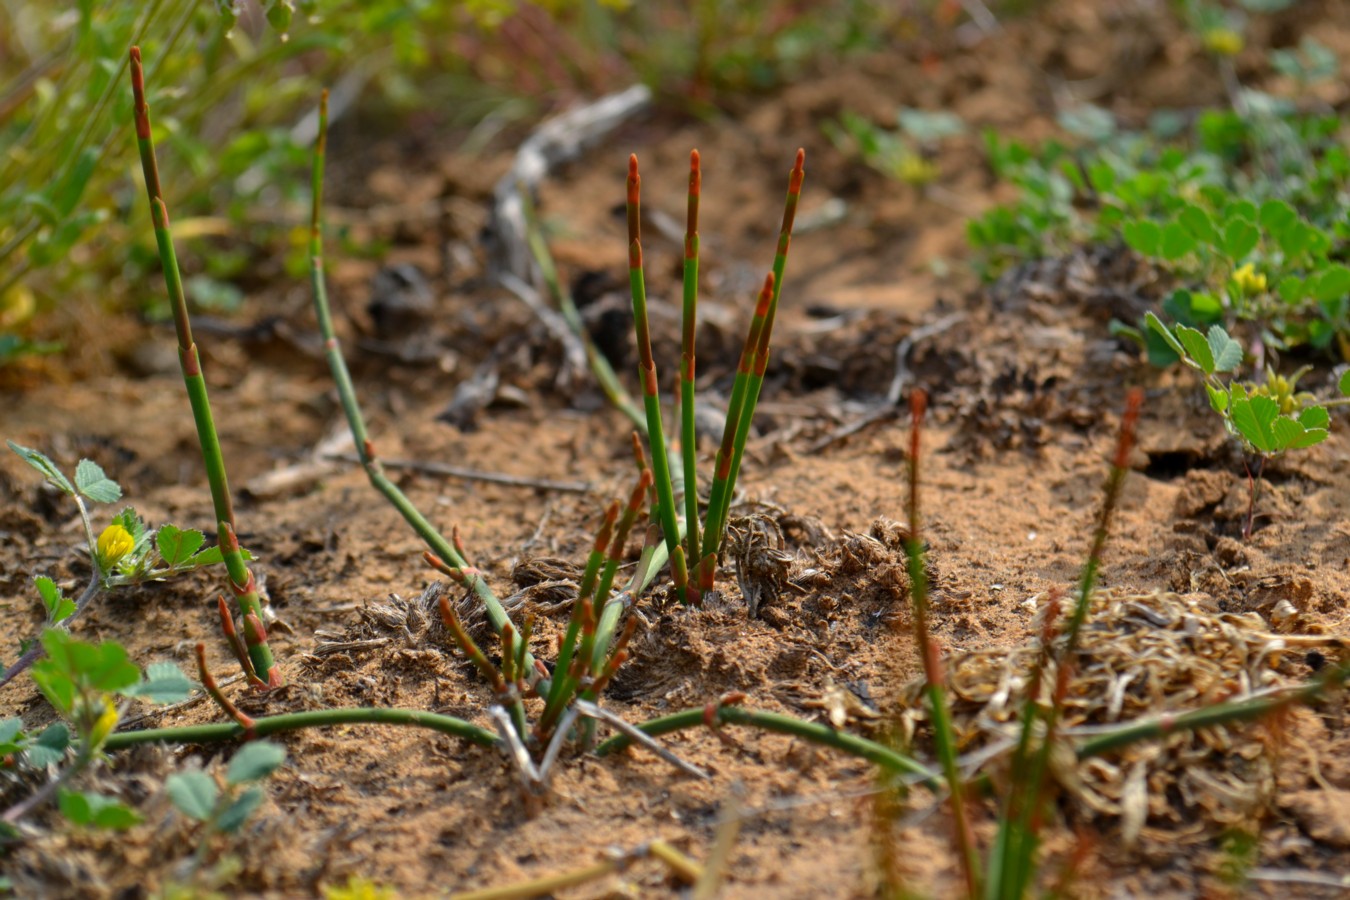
(1026, 385)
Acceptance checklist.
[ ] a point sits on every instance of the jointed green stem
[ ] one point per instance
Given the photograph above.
(1218, 714)
(241, 580)
(944, 736)
(1015, 849)
(750, 376)
(689, 323)
(365, 449)
(656, 436)
(811, 731)
(318, 718)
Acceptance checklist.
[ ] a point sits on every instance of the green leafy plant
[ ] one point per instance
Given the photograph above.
(904, 154)
(87, 685)
(1268, 418)
(125, 553)
(224, 811)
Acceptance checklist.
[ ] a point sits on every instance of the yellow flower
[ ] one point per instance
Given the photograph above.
(1223, 41)
(358, 888)
(105, 724)
(914, 169)
(113, 544)
(1249, 281)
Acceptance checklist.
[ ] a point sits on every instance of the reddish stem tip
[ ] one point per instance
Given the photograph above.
(798, 172)
(695, 173)
(1128, 424)
(918, 405)
(765, 296)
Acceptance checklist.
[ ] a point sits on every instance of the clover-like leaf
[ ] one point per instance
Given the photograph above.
(1344, 383)
(1199, 224)
(59, 606)
(1176, 241)
(177, 545)
(1197, 348)
(94, 484)
(194, 793)
(49, 747)
(1240, 237)
(1155, 324)
(1218, 399)
(1277, 217)
(90, 809)
(164, 683)
(1332, 283)
(1142, 236)
(1226, 351)
(255, 760)
(233, 817)
(39, 461)
(1253, 417)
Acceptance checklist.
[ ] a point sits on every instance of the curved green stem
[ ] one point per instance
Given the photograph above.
(1218, 714)
(443, 549)
(871, 751)
(318, 718)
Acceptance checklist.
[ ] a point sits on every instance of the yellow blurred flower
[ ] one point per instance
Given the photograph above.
(107, 721)
(1249, 282)
(358, 888)
(1223, 41)
(113, 544)
(916, 170)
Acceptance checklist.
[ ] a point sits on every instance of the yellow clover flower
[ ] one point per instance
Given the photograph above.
(1249, 282)
(104, 725)
(113, 544)
(913, 169)
(1223, 41)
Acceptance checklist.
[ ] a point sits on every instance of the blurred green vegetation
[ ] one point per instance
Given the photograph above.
(231, 80)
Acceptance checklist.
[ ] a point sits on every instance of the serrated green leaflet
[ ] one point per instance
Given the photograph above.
(1227, 353)
(1218, 399)
(49, 747)
(237, 813)
(1253, 417)
(1158, 328)
(1142, 236)
(99, 667)
(1344, 384)
(177, 545)
(1315, 417)
(1276, 217)
(1239, 238)
(164, 683)
(39, 461)
(255, 760)
(1197, 348)
(96, 810)
(1291, 289)
(94, 484)
(1199, 224)
(194, 793)
(1332, 283)
(1175, 242)
(9, 729)
(59, 606)
(1292, 435)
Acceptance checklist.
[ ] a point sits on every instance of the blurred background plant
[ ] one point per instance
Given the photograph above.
(237, 76)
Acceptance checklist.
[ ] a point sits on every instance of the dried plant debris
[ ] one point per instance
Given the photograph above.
(1141, 656)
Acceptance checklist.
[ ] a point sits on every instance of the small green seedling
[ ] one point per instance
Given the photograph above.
(1267, 418)
(197, 795)
(125, 553)
(87, 684)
